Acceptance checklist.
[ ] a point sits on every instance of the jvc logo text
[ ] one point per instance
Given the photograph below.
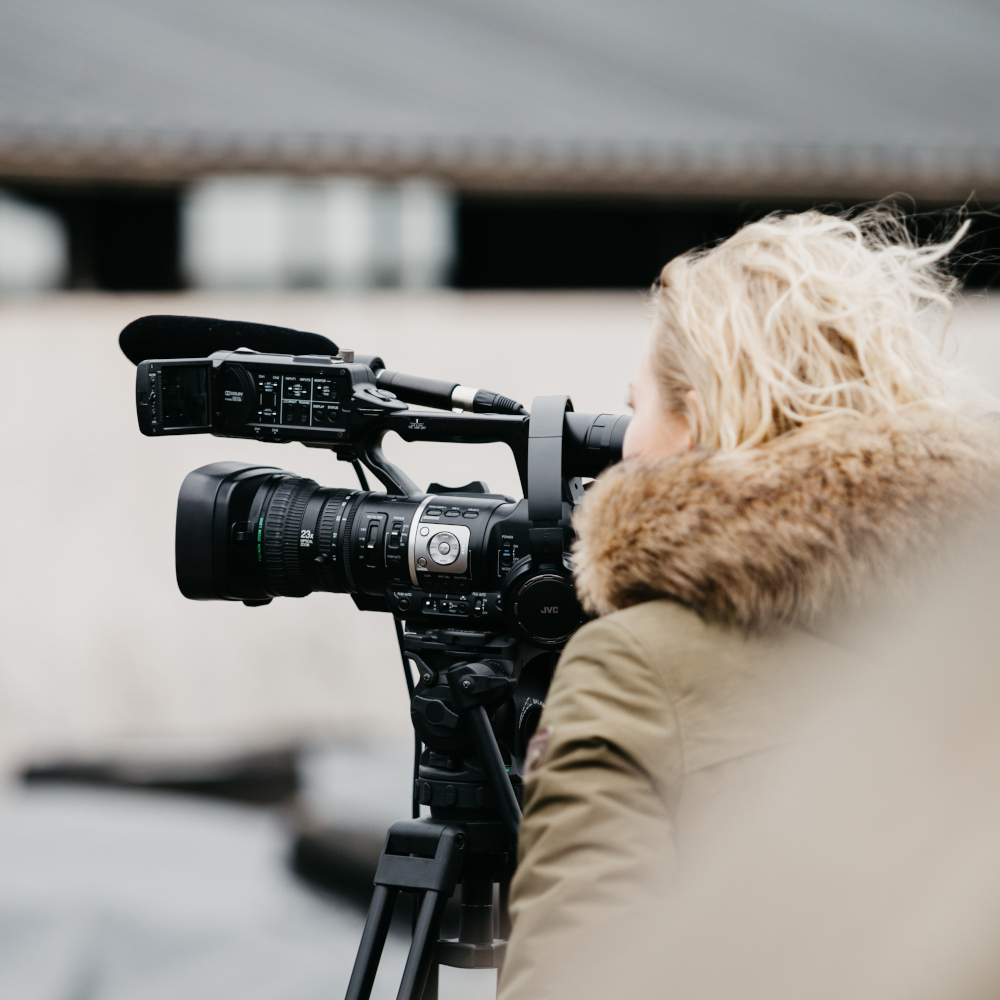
(551, 611)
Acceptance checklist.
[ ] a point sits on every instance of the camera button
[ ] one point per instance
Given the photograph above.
(424, 531)
(452, 513)
(421, 561)
(444, 548)
(471, 514)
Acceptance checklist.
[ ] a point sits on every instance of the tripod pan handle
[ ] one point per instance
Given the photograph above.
(486, 744)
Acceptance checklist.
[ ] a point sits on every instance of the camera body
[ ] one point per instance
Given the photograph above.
(462, 558)
(453, 560)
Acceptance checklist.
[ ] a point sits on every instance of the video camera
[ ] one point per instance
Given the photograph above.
(483, 581)
(460, 557)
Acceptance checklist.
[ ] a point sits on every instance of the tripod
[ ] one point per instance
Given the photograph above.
(470, 837)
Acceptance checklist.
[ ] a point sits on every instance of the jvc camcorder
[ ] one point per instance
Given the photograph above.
(463, 558)
(482, 581)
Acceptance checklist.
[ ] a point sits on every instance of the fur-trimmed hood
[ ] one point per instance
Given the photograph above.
(789, 532)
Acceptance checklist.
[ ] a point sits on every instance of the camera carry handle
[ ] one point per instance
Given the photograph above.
(391, 476)
(454, 428)
(541, 476)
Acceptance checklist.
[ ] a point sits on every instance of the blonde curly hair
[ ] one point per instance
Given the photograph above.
(799, 318)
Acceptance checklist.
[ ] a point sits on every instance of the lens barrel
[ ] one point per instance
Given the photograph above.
(304, 531)
(251, 532)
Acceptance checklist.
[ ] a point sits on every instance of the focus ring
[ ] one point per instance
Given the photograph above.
(282, 526)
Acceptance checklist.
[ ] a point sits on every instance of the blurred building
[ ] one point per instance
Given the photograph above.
(33, 246)
(341, 232)
(417, 142)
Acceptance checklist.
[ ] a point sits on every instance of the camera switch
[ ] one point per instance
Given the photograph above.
(395, 534)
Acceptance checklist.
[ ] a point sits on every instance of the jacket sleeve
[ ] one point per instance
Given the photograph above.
(596, 832)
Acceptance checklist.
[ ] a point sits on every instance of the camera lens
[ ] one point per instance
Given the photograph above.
(304, 532)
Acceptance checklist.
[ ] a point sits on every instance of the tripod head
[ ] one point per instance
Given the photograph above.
(470, 777)
(474, 708)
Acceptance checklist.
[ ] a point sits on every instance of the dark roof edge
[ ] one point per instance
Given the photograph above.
(785, 174)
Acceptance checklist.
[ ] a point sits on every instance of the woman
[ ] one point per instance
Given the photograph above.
(795, 442)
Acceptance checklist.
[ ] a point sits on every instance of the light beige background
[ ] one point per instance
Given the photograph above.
(97, 647)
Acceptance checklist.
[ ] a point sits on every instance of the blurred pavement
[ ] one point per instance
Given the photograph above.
(124, 896)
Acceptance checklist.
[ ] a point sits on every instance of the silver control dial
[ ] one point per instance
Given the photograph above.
(444, 548)
(428, 538)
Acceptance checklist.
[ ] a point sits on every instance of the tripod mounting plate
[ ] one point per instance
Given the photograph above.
(429, 856)
(422, 854)
(466, 955)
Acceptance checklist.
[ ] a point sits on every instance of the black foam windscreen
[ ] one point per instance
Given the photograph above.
(196, 337)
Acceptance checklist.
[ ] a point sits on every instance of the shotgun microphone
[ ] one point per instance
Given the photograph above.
(195, 337)
(444, 395)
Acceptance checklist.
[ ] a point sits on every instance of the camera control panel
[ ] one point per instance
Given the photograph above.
(268, 397)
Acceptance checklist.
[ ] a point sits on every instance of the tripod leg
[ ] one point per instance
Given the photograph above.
(421, 956)
(431, 986)
(503, 917)
(502, 925)
(372, 943)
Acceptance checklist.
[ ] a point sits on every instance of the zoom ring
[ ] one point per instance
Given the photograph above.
(332, 570)
(282, 528)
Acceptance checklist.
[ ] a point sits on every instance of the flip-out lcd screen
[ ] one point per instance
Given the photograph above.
(185, 396)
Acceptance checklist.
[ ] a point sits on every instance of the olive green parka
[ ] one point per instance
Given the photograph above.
(712, 575)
